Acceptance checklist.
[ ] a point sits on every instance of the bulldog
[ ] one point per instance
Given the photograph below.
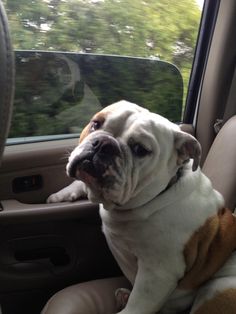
(163, 221)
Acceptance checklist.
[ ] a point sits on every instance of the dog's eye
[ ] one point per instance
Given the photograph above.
(95, 125)
(139, 151)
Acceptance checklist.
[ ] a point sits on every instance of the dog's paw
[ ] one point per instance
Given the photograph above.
(122, 296)
(62, 197)
(70, 193)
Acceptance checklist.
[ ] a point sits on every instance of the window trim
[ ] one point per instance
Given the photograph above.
(206, 30)
(39, 139)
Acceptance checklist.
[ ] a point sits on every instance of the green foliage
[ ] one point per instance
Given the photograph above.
(164, 29)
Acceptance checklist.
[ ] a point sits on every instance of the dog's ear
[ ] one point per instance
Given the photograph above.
(187, 147)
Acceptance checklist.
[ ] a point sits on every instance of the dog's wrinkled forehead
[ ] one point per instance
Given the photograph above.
(112, 118)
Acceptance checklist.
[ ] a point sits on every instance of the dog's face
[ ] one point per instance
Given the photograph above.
(128, 155)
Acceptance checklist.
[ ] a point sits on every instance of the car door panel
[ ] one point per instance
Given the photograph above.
(45, 159)
(45, 247)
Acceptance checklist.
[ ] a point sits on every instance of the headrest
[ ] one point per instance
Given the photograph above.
(6, 78)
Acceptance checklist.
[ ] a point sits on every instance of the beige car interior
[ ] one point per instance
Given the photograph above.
(45, 248)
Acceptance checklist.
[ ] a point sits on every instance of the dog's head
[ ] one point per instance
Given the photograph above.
(128, 155)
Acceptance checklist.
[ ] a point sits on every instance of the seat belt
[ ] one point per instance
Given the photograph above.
(230, 108)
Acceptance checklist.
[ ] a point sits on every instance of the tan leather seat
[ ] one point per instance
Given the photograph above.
(97, 297)
(220, 164)
(94, 297)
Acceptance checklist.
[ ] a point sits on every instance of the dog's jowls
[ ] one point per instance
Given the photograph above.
(164, 223)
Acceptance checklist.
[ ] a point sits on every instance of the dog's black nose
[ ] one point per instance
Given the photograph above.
(96, 155)
(106, 146)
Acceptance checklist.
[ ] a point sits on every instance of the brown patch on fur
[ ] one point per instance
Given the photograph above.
(208, 249)
(100, 117)
(222, 303)
(85, 132)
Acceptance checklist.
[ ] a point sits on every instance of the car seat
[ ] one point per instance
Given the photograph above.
(97, 297)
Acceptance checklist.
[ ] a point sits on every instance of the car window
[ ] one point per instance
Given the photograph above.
(75, 56)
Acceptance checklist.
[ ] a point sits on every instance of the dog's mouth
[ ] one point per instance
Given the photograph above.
(96, 161)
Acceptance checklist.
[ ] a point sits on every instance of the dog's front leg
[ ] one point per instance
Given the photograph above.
(70, 193)
(150, 291)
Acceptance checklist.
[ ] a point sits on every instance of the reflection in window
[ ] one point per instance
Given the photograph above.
(57, 93)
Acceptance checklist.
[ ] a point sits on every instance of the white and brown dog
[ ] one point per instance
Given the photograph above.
(165, 224)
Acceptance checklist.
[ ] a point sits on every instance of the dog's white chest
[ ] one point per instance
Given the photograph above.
(156, 233)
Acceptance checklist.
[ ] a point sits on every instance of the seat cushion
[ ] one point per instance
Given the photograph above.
(93, 297)
(220, 164)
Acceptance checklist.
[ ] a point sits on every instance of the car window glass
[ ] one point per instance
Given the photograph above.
(50, 86)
